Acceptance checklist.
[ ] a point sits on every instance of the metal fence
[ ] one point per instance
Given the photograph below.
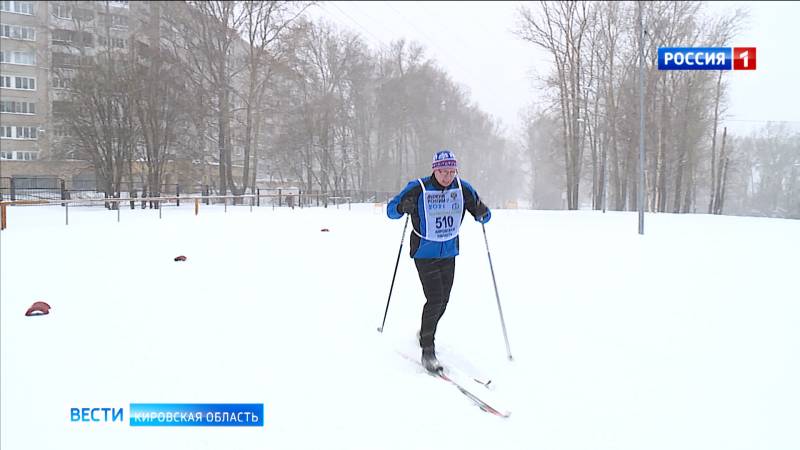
(53, 188)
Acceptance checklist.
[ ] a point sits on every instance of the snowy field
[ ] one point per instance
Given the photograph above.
(685, 338)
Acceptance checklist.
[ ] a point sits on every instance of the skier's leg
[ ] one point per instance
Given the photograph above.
(431, 278)
(447, 269)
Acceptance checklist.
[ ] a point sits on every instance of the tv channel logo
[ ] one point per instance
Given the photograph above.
(707, 58)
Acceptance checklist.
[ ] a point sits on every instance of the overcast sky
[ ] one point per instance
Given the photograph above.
(474, 43)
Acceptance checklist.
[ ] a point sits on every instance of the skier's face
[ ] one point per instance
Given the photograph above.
(445, 176)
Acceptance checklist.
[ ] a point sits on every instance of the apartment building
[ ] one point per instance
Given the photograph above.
(41, 44)
(24, 76)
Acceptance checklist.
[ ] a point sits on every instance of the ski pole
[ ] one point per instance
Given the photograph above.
(403, 238)
(499, 308)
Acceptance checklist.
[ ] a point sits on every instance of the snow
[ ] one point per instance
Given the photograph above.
(685, 337)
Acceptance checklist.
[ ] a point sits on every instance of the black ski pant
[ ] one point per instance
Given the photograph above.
(436, 276)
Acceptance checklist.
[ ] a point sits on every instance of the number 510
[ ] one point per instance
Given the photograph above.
(444, 222)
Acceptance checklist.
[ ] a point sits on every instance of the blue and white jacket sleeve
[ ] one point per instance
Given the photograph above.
(405, 202)
(473, 204)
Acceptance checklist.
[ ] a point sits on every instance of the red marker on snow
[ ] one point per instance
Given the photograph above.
(38, 309)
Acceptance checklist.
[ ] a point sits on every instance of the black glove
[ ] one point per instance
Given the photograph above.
(407, 206)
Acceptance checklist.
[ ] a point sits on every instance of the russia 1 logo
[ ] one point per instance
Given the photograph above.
(744, 58)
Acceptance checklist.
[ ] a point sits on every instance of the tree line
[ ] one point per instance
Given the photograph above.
(256, 87)
(244, 90)
(588, 133)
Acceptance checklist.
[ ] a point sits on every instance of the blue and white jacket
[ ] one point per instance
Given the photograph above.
(409, 201)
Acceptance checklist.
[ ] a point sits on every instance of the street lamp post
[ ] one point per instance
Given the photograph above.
(641, 119)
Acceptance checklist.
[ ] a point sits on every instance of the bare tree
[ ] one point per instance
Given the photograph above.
(561, 30)
(722, 32)
(212, 43)
(159, 101)
(101, 117)
(262, 26)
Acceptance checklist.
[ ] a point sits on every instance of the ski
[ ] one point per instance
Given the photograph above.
(482, 380)
(470, 387)
(485, 382)
(474, 395)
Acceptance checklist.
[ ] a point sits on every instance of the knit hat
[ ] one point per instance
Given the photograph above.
(444, 159)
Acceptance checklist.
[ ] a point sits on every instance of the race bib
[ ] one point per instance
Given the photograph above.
(443, 211)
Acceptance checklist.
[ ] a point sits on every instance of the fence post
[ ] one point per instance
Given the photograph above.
(258, 196)
(207, 200)
(2, 216)
(13, 190)
(158, 205)
(178, 193)
(66, 209)
(63, 190)
(196, 206)
(280, 198)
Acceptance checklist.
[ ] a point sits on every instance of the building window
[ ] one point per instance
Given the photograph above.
(114, 20)
(26, 58)
(18, 32)
(115, 42)
(62, 11)
(119, 21)
(63, 131)
(26, 132)
(65, 59)
(83, 14)
(24, 156)
(61, 107)
(62, 82)
(13, 132)
(60, 36)
(13, 107)
(17, 7)
(28, 84)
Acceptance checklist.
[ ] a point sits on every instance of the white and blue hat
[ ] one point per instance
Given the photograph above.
(444, 159)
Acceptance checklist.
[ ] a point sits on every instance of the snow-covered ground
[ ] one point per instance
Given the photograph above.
(684, 338)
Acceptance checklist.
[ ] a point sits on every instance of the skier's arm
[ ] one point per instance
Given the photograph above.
(473, 204)
(405, 202)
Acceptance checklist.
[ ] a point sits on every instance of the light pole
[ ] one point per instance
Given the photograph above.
(641, 119)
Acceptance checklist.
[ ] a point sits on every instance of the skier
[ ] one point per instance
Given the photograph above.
(437, 205)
